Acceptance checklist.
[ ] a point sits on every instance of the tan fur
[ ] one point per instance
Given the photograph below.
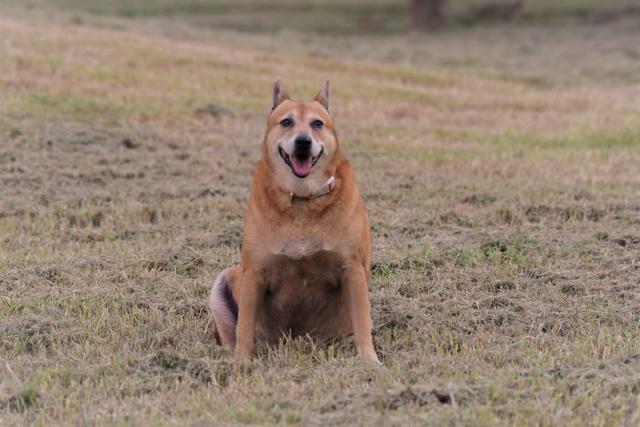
(305, 265)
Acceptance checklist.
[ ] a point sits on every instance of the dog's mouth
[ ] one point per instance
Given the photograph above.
(300, 164)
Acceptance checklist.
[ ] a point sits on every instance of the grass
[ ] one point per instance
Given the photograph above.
(502, 190)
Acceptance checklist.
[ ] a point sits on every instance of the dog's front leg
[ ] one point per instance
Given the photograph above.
(249, 295)
(357, 295)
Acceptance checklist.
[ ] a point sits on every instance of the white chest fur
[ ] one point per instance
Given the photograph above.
(302, 248)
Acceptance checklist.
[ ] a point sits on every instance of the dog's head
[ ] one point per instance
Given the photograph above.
(300, 142)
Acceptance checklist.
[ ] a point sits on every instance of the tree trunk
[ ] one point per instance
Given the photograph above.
(427, 13)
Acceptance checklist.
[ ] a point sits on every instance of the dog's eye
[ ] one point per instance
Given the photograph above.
(286, 123)
(317, 124)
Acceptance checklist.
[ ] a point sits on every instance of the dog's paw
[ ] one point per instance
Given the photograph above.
(243, 363)
(241, 357)
(371, 358)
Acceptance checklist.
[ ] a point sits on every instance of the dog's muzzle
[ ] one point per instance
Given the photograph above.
(301, 161)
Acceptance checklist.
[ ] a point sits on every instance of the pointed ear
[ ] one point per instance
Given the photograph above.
(323, 95)
(279, 94)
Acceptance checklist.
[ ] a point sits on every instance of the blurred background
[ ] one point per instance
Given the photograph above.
(541, 40)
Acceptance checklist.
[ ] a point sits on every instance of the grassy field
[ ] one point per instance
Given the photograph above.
(499, 165)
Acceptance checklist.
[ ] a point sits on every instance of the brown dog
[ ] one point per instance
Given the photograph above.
(306, 251)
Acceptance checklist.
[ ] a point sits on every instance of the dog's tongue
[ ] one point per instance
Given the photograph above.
(301, 167)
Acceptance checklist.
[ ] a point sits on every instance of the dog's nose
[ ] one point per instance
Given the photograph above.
(303, 143)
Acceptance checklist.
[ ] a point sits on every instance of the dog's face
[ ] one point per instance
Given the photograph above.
(300, 140)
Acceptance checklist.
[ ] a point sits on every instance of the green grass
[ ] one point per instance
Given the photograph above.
(624, 138)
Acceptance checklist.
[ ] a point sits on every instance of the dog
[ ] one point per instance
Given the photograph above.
(305, 262)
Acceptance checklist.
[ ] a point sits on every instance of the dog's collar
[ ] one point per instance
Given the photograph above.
(328, 186)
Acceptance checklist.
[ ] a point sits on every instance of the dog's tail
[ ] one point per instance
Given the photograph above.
(224, 308)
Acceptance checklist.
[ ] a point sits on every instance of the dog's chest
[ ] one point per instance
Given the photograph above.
(303, 264)
(301, 248)
(303, 294)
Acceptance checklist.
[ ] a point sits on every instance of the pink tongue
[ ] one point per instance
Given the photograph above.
(301, 167)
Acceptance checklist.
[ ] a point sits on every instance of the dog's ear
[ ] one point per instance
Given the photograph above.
(323, 95)
(279, 94)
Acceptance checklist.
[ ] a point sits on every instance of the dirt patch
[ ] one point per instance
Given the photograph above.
(411, 396)
(28, 335)
(22, 401)
(202, 370)
(617, 375)
(181, 262)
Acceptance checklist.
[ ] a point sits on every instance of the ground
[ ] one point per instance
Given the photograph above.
(498, 163)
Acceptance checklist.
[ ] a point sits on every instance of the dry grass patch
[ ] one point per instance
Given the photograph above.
(504, 215)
